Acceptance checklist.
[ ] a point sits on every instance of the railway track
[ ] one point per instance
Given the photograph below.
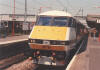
(13, 53)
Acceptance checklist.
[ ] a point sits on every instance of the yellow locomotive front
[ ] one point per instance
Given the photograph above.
(50, 35)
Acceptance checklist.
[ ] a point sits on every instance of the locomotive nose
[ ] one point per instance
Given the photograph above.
(49, 33)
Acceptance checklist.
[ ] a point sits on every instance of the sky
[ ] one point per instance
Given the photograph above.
(72, 6)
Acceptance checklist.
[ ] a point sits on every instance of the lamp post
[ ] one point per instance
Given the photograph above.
(13, 28)
(25, 16)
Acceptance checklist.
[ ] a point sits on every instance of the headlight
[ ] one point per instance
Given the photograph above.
(35, 41)
(32, 41)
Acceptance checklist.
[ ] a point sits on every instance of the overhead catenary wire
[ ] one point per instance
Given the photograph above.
(69, 4)
(6, 5)
(41, 4)
(23, 4)
(60, 3)
(18, 2)
(80, 10)
(38, 2)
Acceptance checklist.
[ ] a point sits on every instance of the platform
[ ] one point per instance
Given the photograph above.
(89, 59)
(12, 39)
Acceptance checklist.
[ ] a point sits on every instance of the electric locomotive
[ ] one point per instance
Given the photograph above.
(53, 36)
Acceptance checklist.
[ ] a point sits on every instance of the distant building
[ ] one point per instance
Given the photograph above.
(93, 21)
(7, 20)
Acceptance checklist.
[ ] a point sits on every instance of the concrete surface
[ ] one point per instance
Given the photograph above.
(89, 59)
(12, 39)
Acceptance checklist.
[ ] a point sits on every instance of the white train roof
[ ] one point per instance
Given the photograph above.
(56, 13)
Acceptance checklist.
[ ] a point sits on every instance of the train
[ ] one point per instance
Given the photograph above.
(53, 36)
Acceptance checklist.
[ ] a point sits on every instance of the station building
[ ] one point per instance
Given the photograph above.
(6, 22)
(93, 21)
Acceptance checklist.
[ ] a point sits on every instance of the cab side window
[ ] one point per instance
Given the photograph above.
(72, 22)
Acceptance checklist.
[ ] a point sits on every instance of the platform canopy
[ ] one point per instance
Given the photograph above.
(56, 13)
(93, 17)
(93, 20)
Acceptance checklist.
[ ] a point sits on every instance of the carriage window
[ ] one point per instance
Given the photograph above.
(70, 22)
(44, 21)
(59, 21)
